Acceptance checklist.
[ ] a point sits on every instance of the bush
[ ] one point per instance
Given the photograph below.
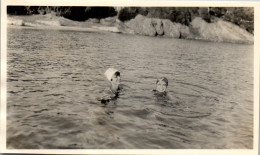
(182, 15)
(73, 13)
(128, 13)
(242, 16)
(16, 10)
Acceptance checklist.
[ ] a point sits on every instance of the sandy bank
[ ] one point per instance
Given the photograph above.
(53, 22)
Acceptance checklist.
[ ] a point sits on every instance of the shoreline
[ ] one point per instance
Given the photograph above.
(212, 32)
(70, 28)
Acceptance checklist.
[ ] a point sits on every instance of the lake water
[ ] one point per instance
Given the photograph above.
(54, 77)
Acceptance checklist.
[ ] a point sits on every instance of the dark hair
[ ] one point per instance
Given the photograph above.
(116, 74)
(163, 79)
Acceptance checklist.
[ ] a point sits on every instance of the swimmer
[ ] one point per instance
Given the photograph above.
(161, 86)
(161, 92)
(112, 92)
(114, 78)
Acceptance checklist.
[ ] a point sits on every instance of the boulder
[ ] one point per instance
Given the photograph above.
(154, 26)
(184, 31)
(142, 25)
(230, 31)
(220, 31)
(108, 21)
(157, 24)
(123, 28)
(171, 29)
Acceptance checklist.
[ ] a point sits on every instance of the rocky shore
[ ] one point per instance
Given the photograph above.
(198, 29)
(219, 31)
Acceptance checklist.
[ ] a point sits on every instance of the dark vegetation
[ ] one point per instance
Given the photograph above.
(73, 13)
(241, 16)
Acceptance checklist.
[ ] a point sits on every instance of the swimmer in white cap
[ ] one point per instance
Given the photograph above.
(113, 76)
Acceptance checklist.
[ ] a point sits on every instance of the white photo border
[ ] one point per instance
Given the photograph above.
(3, 113)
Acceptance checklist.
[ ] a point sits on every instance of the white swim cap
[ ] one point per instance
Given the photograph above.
(110, 72)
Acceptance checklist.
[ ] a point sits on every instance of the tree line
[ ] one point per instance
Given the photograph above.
(241, 16)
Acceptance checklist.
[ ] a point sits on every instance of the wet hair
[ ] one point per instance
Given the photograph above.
(164, 79)
(116, 74)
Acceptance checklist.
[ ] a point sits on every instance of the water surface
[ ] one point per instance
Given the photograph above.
(54, 77)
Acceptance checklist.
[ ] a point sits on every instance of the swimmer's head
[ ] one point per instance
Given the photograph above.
(116, 78)
(161, 84)
(110, 72)
(113, 75)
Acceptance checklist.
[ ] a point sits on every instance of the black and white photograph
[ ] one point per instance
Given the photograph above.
(129, 77)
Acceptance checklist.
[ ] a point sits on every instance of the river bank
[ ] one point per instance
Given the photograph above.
(217, 31)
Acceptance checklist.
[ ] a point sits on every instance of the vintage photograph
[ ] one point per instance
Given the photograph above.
(125, 77)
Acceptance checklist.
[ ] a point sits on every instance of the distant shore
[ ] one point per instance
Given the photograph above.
(53, 22)
(219, 31)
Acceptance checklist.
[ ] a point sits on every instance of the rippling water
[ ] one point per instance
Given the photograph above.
(53, 77)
